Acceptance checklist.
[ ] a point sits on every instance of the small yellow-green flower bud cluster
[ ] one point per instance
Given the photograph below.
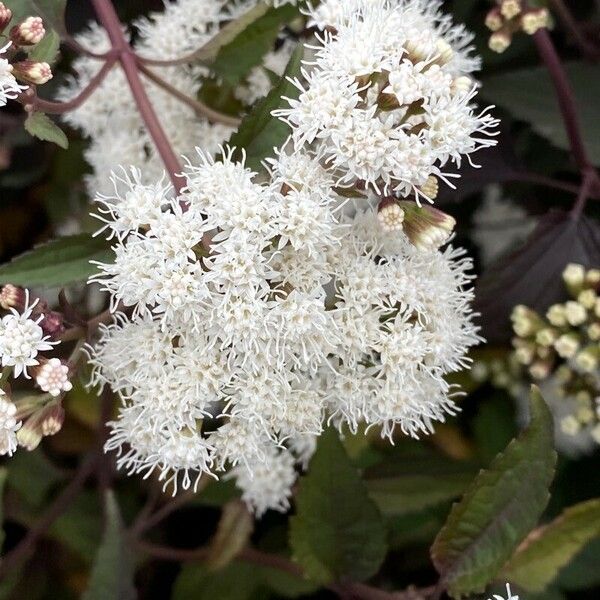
(510, 17)
(565, 344)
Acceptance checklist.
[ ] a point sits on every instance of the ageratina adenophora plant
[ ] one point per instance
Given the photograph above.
(279, 315)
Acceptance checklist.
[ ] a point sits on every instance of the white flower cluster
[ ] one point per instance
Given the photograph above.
(258, 313)
(387, 98)
(21, 339)
(9, 86)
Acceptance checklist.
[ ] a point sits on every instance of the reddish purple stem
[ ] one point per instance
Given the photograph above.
(125, 55)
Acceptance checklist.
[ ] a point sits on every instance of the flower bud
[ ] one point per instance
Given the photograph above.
(564, 374)
(596, 434)
(426, 227)
(444, 52)
(540, 369)
(574, 276)
(524, 352)
(54, 417)
(570, 425)
(5, 16)
(546, 337)
(430, 188)
(575, 313)
(494, 20)
(28, 33)
(557, 315)
(526, 322)
(585, 415)
(30, 434)
(499, 41)
(52, 376)
(593, 332)
(12, 296)
(52, 323)
(587, 299)
(33, 71)
(510, 8)
(592, 277)
(587, 359)
(462, 85)
(535, 19)
(567, 345)
(390, 216)
(48, 420)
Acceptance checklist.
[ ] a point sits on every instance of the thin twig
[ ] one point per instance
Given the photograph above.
(566, 97)
(590, 178)
(58, 108)
(199, 107)
(585, 46)
(26, 546)
(543, 180)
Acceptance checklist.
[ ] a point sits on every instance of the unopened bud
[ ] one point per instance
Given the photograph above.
(33, 71)
(52, 376)
(54, 417)
(564, 374)
(390, 216)
(524, 352)
(5, 16)
(540, 369)
(430, 188)
(535, 19)
(585, 415)
(546, 337)
(593, 332)
(587, 359)
(444, 52)
(570, 425)
(510, 8)
(426, 227)
(30, 434)
(499, 41)
(494, 20)
(52, 323)
(12, 296)
(595, 433)
(575, 313)
(567, 345)
(557, 315)
(574, 276)
(462, 85)
(28, 33)
(587, 299)
(526, 322)
(592, 277)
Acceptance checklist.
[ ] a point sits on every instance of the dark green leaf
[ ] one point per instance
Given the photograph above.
(112, 574)
(337, 530)
(498, 509)
(494, 426)
(260, 132)
(57, 263)
(47, 49)
(539, 559)
(582, 572)
(528, 94)
(41, 126)
(32, 475)
(410, 493)
(246, 50)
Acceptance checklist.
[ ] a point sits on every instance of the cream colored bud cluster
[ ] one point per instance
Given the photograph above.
(565, 344)
(426, 227)
(22, 38)
(510, 17)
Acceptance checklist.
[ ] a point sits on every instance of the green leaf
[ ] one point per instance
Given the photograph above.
(410, 493)
(539, 559)
(235, 59)
(32, 475)
(232, 536)
(47, 49)
(41, 126)
(498, 509)
(57, 263)
(260, 132)
(529, 95)
(582, 572)
(112, 573)
(237, 581)
(3, 476)
(337, 530)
